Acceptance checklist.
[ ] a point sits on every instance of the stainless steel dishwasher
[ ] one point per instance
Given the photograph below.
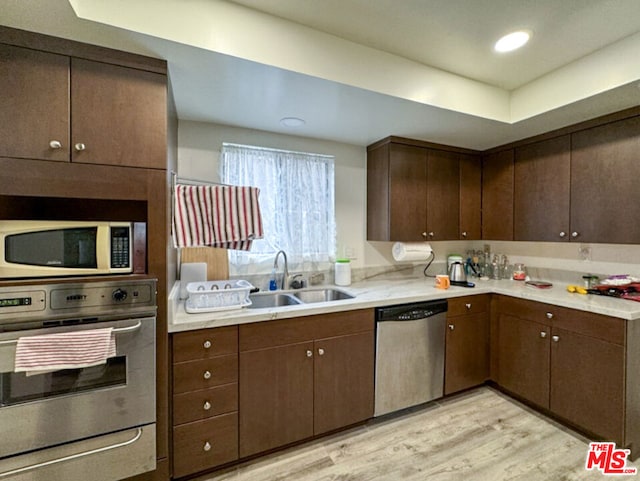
(409, 355)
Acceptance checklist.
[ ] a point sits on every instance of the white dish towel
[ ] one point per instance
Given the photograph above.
(66, 350)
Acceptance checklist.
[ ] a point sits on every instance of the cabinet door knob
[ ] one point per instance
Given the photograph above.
(206, 447)
(206, 406)
(55, 144)
(309, 353)
(555, 338)
(431, 234)
(207, 344)
(451, 327)
(464, 234)
(468, 306)
(80, 146)
(563, 234)
(424, 234)
(549, 315)
(543, 334)
(207, 375)
(321, 352)
(575, 234)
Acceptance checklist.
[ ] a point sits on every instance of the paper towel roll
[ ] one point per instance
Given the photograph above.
(411, 251)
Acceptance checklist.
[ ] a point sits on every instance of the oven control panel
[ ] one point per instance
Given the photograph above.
(22, 301)
(64, 298)
(89, 299)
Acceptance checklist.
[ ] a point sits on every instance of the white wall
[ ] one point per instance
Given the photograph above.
(198, 155)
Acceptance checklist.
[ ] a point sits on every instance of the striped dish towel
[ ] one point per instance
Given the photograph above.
(223, 216)
(66, 350)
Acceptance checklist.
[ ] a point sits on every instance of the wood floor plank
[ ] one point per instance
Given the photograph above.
(481, 435)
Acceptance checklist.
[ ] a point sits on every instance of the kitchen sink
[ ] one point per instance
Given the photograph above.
(322, 295)
(279, 299)
(269, 299)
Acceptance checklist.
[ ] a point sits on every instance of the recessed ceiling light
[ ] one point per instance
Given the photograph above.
(292, 122)
(512, 41)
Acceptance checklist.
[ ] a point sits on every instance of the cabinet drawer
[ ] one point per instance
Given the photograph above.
(204, 374)
(461, 306)
(610, 329)
(261, 335)
(523, 309)
(205, 343)
(198, 405)
(204, 444)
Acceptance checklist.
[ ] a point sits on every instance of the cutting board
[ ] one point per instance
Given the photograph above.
(216, 259)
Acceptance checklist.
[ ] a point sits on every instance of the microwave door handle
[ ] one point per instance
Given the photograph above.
(116, 330)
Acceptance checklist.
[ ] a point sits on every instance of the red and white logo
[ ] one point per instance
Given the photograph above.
(608, 459)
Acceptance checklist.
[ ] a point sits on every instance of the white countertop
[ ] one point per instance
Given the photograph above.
(386, 292)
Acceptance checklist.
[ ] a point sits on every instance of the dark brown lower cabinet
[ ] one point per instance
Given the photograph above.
(343, 374)
(523, 353)
(467, 343)
(567, 361)
(304, 377)
(587, 383)
(276, 397)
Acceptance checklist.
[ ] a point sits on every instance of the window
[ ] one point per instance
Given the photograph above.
(296, 201)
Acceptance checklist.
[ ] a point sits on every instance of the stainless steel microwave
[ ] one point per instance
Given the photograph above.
(33, 248)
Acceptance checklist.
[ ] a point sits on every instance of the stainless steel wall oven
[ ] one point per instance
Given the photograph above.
(95, 422)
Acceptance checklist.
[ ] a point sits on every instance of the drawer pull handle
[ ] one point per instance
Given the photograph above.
(549, 315)
(207, 375)
(555, 338)
(207, 344)
(468, 306)
(543, 334)
(309, 353)
(207, 446)
(207, 406)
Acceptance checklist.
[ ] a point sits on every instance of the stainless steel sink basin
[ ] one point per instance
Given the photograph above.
(307, 296)
(272, 299)
(322, 295)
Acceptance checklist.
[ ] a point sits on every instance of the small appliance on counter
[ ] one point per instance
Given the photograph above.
(457, 273)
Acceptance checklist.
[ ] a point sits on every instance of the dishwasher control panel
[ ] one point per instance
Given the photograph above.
(411, 312)
(415, 314)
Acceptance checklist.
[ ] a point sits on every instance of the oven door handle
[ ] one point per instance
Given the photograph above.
(120, 330)
(73, 456)
(116, 330)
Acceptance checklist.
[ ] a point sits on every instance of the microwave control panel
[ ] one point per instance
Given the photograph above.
(120, 253)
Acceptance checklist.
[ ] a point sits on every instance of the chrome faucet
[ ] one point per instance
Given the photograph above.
(285, 274)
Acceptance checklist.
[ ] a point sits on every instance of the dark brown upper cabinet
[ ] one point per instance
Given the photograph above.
(34, 119)
(497, 195)
(541, 190)
(419, 193)
(605, 197)
(470, 197)
(69, 109)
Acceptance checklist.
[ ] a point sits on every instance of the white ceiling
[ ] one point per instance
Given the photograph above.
(360, 70)
(458, 35)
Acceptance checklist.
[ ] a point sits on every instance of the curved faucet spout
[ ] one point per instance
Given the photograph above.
(285, 274)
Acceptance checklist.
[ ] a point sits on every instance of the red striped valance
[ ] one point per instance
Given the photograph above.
(223, 216)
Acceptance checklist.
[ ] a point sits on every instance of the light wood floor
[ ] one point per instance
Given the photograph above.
(479, 435)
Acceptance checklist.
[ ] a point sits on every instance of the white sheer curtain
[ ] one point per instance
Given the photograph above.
(297, 201)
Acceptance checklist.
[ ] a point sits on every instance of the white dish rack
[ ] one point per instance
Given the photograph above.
(211, 296)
